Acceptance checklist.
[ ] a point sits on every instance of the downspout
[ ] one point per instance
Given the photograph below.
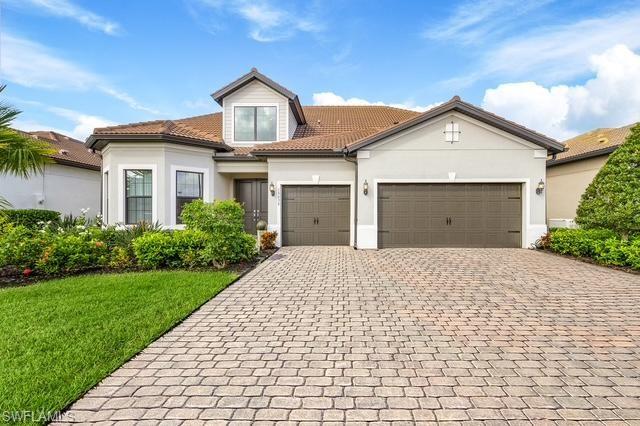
(354, 161)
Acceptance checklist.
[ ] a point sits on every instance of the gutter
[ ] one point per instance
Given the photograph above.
(354, 161)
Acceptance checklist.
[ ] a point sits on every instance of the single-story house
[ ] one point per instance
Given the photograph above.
(570, 172)
(366, 176)
(70, 183)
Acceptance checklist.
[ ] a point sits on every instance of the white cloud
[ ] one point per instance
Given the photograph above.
(268, 21)
(30, 64)
(67, 9)
(557, 53)
(330, 98)
(82, 124)
(611, 98)
(473, 21)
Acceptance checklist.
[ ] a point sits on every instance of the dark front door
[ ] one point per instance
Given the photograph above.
(315, 215)
(253, 195)
(450, 215)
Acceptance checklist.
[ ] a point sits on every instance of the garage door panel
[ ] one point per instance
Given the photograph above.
(316, 215)
(415, 215)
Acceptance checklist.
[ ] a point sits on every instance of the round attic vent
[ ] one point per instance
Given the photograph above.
(63, 152)
(602, 139)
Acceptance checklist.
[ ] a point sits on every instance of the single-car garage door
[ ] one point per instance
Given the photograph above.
(450, 215)
(315, 215)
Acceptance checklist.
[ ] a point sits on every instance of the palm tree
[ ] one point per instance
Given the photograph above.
(20, 155)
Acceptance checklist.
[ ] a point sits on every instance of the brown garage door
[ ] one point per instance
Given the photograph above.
(315, 215)
(450, 215)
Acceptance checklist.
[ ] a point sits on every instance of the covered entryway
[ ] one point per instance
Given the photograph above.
(253, 194)
(449, 215)
(315, 215)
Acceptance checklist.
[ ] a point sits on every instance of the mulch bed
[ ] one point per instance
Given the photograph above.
(12, 277)
(591, 261)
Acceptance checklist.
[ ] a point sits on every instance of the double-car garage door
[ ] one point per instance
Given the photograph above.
(449, 215)
(409, 215)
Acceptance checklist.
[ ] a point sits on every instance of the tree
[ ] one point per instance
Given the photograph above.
(612, 200)
(20, 155)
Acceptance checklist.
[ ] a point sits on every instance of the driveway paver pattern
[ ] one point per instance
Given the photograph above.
(332, 334)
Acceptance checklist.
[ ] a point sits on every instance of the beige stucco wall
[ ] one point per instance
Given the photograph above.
(255, 93)
(61, 188)
(567, 182)
(306, 171)
(420, 154)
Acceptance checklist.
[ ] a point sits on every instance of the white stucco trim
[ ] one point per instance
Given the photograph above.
(352, 200)
(368, 234)
(254, 104)
(105, 176)
(154, 188)
(172, 194)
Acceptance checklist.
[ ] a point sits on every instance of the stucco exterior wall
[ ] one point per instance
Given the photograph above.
(61, 188)
(163, 160)
(567, 182)
(254, 93)
(306, 171)
(420, 154)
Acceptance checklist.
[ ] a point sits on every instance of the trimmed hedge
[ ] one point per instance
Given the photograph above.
(31, 218)
(602, 245)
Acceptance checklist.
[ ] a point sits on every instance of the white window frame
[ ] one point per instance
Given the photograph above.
(122, 189)
(206, 197)
(106, 187)
(254, 104)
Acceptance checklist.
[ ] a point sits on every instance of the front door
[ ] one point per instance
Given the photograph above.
(253, 195)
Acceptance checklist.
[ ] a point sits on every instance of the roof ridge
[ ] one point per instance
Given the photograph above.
(135, 123)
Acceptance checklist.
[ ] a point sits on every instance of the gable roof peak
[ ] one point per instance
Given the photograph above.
(254, 75)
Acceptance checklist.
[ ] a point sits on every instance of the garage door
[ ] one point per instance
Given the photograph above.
(449, 215)
(315, 215)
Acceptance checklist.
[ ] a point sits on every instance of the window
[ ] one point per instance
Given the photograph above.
(188, 188)
(138, 192)
(255, 123)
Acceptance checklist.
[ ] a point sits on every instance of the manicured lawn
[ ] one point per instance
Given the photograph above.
(60, 338)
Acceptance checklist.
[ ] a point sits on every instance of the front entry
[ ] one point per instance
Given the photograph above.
(315, 215)
(253, 195)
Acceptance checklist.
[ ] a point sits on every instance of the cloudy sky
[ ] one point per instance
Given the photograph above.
(559, 67)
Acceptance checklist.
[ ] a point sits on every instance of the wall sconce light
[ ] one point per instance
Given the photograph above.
(365, 187)
(540, 187)
(272, 189)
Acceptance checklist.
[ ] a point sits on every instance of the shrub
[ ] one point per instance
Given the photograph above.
(31, 218)
(73, 253)
(179, 249)
(611, 251)
(221, 216)
(22, 247)
(612, 200)
(578, 242)
(632, 252)
(120, 258)
(268, 240)
(224, 249)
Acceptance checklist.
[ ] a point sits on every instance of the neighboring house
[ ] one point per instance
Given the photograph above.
(570, 172)
(68, 184)
(369, 176)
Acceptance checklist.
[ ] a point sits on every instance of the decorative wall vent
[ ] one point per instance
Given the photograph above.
(452, 132)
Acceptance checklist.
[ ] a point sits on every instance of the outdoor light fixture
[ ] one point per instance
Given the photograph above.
(272, 189)
(540, 187)
(365, 187)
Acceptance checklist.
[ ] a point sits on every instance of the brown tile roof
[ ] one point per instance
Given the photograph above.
(591, 144)
(68, 151)
(327, 142)
(206, 127)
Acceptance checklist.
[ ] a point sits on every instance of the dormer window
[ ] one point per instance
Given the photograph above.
(255, 123)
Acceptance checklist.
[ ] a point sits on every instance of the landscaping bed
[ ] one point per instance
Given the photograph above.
(60, 338)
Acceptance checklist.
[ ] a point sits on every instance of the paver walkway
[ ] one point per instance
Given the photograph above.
(410, 335)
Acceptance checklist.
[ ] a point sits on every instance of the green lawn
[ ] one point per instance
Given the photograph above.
(59, 338)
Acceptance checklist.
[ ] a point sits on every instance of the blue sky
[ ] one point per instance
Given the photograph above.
(560, 67)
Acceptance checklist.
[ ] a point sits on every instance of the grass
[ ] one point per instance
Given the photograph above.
(60, 338)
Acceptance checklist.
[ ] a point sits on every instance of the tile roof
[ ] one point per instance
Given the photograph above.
(68, 151)
(596, 142)
(206, 127)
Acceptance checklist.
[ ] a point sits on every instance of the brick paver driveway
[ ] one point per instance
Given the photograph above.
(334, 334)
